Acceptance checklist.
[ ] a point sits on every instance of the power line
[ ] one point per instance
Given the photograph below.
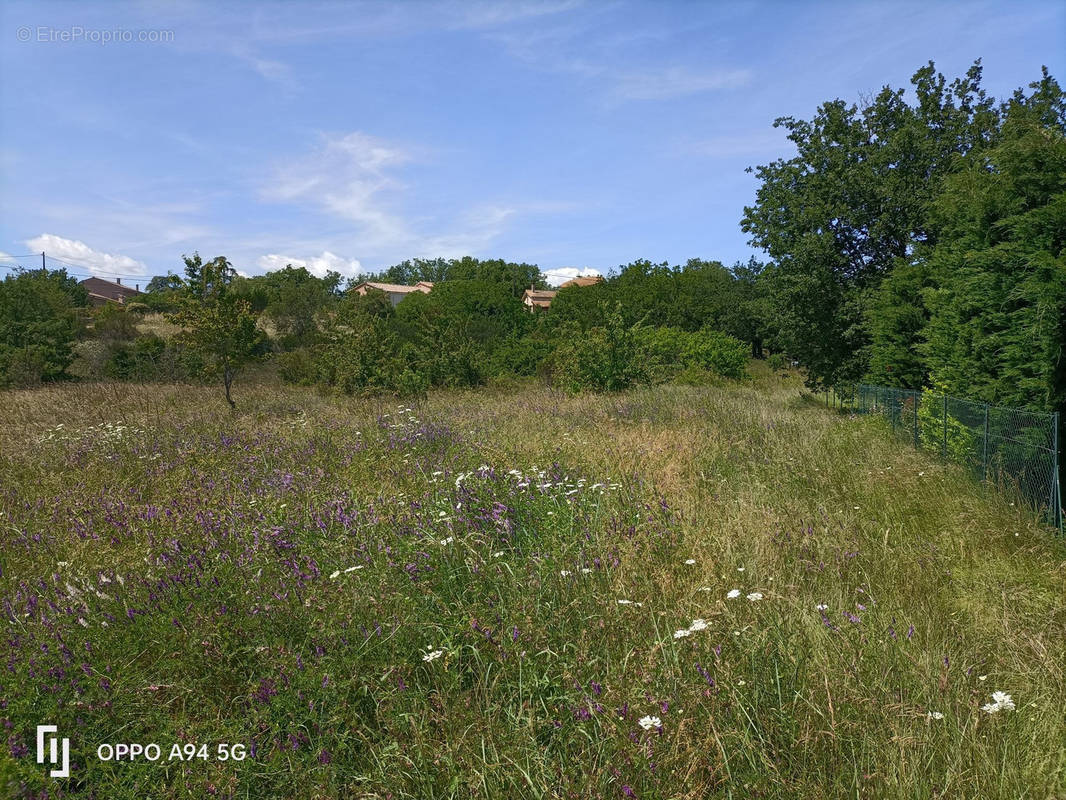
(77, 272)
(87, 265)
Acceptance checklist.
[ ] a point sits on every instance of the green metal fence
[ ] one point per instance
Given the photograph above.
(1014, 450)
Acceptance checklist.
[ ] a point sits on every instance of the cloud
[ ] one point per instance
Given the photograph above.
(316, 265)
(494, 14)
(349, 177)
(560, 275)
(625, 66)
(475, 230)
(97, 262)
(276, 72)
(671, 82)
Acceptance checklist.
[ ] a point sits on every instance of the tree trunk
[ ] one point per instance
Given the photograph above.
(227, 378)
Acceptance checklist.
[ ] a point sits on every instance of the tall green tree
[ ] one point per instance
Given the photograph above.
(838, 215)
(219, 326)
(39, 324)
(996, 298)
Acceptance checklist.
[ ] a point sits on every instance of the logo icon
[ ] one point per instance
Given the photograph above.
(53, 755)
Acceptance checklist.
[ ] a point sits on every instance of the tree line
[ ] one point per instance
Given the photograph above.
(645, 323)
(920, 243)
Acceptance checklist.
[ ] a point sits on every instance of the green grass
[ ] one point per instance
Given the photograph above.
(206, 542)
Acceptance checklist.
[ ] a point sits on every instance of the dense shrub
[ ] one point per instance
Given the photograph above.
(603, 359)
(140, 359)
(38, 325)
(112, 323)
(297, 366)
(668, 350)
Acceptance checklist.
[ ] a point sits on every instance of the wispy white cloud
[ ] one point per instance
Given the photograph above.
(495, 13)
(316, 265)
(625, 66)
(472, 233)
(350, 177)
(275, 71)
(670, 82)
(359, 179)
(77, 252)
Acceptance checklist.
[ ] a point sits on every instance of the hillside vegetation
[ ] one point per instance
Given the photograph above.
(683, 592)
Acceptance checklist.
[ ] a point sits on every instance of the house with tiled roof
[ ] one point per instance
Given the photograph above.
(537, 298)
(101, 291)
(395, 291)
(585, 280)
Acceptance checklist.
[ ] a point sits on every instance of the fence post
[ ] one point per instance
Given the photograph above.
(984, 449)
(1056, 497)
(914, 397)
(945, 448)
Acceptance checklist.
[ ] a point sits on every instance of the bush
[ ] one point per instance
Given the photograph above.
(961, 441)
(778, 362)
(140, 360)
(24, 367)
(113, 323)
(603, 359)
(668, 350)
(90, 359)
(297, 366)
(411, 385)
(693, 375)
(38, 325)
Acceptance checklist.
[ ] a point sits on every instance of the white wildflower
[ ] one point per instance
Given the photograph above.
(1001, 701)
(681, 634)
(353, 569)
(733, 594)
(82, 622)
(934, 715)
(821, 607)
(690, 561)
(705, 589)
(585, 571)
(497, 554)
(564, 572)
(433, 656)
(334, 574)
(647, 723)
(447, 541)
(755, 596)
(698, 625)
(740, 569)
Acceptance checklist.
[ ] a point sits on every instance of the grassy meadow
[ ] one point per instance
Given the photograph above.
(675, 592)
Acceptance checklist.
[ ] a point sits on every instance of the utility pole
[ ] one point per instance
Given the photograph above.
(44, 266)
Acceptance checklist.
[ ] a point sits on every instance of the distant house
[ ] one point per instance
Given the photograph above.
(101, 291)
(537, 298)
(395, 291)
(542, 298)
(587, 280)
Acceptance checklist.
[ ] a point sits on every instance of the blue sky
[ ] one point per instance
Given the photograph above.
(352, 136)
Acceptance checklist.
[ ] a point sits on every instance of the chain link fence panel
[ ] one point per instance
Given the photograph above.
(1014, 450)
